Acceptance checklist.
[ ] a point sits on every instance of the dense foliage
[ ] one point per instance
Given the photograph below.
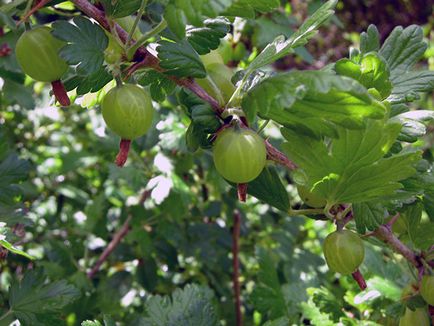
(114, 209)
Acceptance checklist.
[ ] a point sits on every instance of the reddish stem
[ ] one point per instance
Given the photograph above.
(124, 149)
(277, 156)
(38, 6)
(60, 93)
(358, 277)
(242, 192)
(236, 266)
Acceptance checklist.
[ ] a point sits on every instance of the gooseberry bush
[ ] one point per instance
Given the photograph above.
(240, 194)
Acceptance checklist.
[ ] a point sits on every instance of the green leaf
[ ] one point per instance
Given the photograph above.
(207, 38)
(247, 8)
(352, 168)
(267, 296)
(326, 301)
(86, 44)
(314, 101)
(407, 86)
(190, 306)
(32, 297)
(413, 124)
(370, 40)
(120, 8)
(368, 215)
(14, 249)
(89, 83)
(268, 188)
(402, 49)
(17, 93)
(175, 20)
(12, 171)
(281, 47)
(180, 59)
(160, 85)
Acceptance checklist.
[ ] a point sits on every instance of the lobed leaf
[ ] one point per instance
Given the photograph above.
(86, 44)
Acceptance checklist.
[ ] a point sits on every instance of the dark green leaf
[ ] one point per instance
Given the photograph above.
(268, 188)
(160, 85)
(190, 306)
(175, 20)
(402, 49)
(207, 38)
(180, 59)
(120, 8)
(32, 297)
(408, 85)
(89, 83)
(368, 216)
(87, 42)
(17, 93)
(12, 171)
(267, 295)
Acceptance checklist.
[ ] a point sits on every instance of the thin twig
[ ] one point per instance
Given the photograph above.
(117, 238)
(236, 266)
(385, 234)
(38, 6)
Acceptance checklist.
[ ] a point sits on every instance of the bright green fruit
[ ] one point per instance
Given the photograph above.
(344, 251)
(309, 198)
(419, 317)
(218, 83)
(37, 53)
(239, 154)
(427, 289)
(127, 111)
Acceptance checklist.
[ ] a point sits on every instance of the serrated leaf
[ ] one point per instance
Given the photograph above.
(207, 38)
(160, 85)
(14, 92)
(413, 124)
(175, 20)
(120, 8)
(89, 83)
(86, 44)
(326, 301)
(180, 59)
(32, 297)
(12, 171)
(370, 40)
(281, 46)
(268, 188)
(352, 168)
(267, 296)
(407, 86)
(368, 215)
(314, 100)
(190, 306)
(402, 49)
